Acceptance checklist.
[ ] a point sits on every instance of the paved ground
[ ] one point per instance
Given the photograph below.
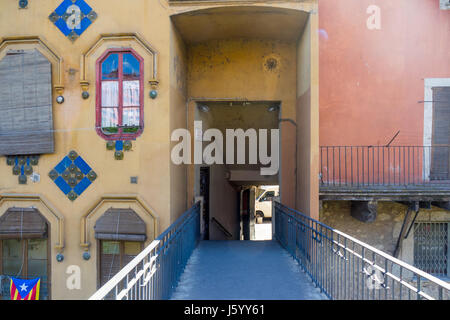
(263, 231)
(237, 270)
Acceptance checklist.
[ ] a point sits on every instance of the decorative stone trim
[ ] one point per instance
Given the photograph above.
(30, 42)
(48, 211)
(129, 201)
(130, 39)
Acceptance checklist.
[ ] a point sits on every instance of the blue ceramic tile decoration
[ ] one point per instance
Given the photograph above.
(119, 147)
(22, 166)
(72, 175)
(73, 17)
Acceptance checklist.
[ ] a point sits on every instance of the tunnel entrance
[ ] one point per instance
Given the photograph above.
(231, 185)
(232, 66)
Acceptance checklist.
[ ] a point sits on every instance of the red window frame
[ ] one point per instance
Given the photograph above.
(120, 135)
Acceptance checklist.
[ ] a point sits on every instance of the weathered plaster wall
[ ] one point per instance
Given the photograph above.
(178, 108)
(307, 120)
(231, 68)
(238, 69)
(74, 122)
(384, 231)
(379, 233)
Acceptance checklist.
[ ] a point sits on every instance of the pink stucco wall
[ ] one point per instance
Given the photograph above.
(371, 81)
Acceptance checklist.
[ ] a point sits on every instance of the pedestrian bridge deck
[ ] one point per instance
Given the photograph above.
(250, 270)
(176, 265)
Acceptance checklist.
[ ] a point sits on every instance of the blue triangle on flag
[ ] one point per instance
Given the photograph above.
(23, 286)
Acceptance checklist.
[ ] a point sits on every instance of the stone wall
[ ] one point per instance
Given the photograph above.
(383, 232)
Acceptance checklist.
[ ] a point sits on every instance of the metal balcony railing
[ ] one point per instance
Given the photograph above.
(359, 166)
(154, 273)
(345, 268)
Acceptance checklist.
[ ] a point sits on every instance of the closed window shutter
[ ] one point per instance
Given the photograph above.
(26, 121)
(120, 224)
(441, 134)
(110, 263)
(22, 223)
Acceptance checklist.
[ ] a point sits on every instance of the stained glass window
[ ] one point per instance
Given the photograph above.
(120, 96)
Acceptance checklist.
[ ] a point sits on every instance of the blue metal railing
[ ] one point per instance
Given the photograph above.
(154, 273)
(346, 268)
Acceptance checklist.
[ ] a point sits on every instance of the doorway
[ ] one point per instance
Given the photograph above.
(204, 192)
(237, 135)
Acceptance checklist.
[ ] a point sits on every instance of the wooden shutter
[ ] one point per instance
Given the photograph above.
(109, 260)
(26, 121)
(441, 134)
(22, 223)
(120, 224)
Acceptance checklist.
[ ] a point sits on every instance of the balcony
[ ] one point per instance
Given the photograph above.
(390, 173)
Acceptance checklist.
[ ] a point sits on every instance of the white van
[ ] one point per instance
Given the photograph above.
(263, 205)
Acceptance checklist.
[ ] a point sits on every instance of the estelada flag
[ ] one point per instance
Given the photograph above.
(25, 289)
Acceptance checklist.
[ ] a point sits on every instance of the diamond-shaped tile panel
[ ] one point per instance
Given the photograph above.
(72, 175)
(73, 17)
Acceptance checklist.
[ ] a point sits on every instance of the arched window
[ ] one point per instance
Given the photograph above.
(120, 98)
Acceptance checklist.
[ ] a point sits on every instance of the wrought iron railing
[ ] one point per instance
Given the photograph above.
(154, 273)
(431, 247)
(346, 268)
(384, 165)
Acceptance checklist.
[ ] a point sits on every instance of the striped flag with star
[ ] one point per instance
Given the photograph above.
(25, 289)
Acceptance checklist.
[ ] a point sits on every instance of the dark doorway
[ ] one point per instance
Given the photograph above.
(246, 214)
(204, 192)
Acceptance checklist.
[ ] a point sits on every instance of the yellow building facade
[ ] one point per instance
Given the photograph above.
(191, 52)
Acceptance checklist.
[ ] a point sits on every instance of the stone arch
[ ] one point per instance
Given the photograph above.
(126, 40)
(35, 42)
(198, 24)
(54, 218)
(133, 202)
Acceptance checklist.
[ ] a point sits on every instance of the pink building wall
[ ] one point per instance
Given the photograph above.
(371, 81)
